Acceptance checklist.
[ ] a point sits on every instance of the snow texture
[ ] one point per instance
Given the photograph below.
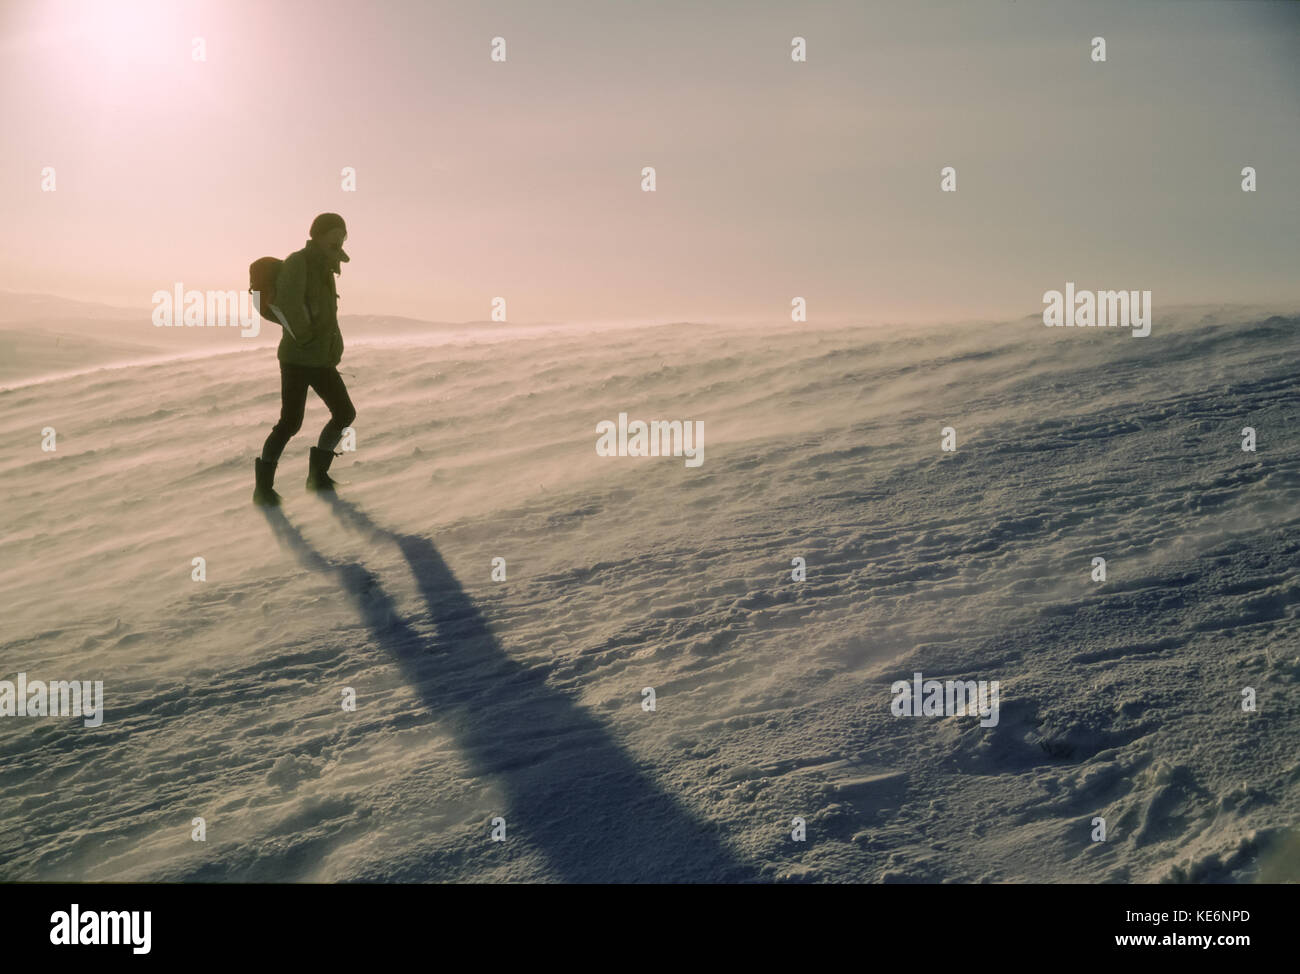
(522, 698)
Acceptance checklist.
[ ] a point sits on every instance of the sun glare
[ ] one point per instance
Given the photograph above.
(130, 37)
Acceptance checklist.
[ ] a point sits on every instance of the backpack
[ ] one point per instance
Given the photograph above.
(261, 281)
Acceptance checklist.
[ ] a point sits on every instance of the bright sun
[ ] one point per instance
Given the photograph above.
(125, 36)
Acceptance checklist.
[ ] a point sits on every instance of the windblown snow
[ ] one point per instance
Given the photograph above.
(516, 706)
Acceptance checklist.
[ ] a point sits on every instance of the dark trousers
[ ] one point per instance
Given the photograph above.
(295, 380)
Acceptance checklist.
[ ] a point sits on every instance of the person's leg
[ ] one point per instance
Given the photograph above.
(293, 401)
(329, 386)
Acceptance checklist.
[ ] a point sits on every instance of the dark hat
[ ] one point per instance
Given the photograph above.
(326, 222)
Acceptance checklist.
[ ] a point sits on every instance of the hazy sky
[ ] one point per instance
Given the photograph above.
(775, 179)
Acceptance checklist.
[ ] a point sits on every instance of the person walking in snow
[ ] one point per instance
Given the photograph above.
(309, 353)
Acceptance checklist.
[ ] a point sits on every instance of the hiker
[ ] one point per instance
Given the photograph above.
(309, 354)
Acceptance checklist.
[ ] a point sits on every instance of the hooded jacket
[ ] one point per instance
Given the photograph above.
(306, 296)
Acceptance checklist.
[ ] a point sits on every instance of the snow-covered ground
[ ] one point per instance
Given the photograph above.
(522, 698)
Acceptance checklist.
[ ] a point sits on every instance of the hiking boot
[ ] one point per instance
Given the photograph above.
(264, 493)
(318, 477)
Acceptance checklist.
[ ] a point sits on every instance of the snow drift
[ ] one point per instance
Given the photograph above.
(522, 699)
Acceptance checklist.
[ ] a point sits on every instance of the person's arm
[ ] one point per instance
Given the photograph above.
(291, 298)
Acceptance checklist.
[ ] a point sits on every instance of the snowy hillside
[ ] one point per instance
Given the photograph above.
(522, 698)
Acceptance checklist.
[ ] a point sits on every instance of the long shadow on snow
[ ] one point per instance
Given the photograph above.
(570, 789)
